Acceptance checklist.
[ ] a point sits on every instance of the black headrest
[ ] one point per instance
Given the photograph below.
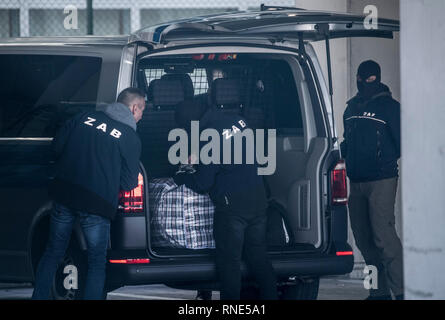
(226, 92)
(162, 92)
(186, 81)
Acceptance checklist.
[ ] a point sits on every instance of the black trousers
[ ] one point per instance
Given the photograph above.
(371, 210)
(238, 236)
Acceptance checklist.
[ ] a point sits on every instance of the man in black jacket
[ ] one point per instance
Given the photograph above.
(371, 148)
(97, 155)
(238, 194)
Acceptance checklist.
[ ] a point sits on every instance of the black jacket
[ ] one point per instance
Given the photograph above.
(371, 143)
(96, 157)
(233, 187)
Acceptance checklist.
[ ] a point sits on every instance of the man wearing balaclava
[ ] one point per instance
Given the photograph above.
(371, 148)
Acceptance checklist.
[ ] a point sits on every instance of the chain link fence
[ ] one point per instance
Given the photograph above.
(23, 18)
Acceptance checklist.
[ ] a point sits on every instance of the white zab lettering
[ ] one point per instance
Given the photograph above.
(227, 134)
(115, 133)
(90, 121)
(102, 127)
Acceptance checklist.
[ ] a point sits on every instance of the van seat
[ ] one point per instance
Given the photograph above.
(225, 94)
(159, 119)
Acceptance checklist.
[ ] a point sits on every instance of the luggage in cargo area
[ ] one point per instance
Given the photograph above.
(180, 217)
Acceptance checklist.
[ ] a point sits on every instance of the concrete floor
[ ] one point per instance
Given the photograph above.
(330, 289)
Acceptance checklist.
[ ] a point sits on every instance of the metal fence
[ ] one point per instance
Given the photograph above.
(23, 18)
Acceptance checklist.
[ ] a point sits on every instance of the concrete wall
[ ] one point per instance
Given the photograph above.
(385, 51)
(423, 147)
(346, 55)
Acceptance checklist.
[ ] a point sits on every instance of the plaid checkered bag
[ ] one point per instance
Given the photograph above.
(180, 217)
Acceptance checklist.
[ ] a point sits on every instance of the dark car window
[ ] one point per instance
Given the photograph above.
(39, 92)
(287, 109)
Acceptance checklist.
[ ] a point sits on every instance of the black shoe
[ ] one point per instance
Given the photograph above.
(386, 297)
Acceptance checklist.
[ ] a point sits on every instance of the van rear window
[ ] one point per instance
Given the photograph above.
(266, 93)
(198, 76)
(40, 92)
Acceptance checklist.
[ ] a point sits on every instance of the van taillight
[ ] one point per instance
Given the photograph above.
(129, 261)
(339, 187)
(344, 253)
(132, 201)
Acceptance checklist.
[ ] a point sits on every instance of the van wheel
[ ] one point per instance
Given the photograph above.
(301, 289)
(64, 284)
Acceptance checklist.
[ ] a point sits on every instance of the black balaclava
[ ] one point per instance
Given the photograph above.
(365, 70)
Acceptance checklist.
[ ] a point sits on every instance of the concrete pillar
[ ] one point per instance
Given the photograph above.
(135, 18)
(24, 21)
(423, 147)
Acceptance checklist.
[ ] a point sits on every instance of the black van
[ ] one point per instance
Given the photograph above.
(44, 81)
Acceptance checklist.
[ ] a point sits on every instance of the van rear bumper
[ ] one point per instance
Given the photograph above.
(170, 271)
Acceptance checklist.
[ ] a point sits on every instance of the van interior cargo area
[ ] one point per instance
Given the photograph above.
(270, 92)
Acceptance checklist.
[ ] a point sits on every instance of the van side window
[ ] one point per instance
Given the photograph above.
(287, 109)
(273, 93)
(40, 92)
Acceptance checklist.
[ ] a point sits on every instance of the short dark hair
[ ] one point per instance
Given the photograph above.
(128, 95)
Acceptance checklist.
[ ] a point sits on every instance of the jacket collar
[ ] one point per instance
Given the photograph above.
(119, 112)
(383, 92)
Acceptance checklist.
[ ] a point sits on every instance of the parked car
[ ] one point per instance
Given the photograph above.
(277, 83)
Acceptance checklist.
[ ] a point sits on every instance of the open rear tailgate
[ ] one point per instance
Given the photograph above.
(273, 24)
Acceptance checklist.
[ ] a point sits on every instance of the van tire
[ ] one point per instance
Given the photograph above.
(301, 289)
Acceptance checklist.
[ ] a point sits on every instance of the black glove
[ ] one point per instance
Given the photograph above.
(179, 178)
(343, 149)
(186, 168)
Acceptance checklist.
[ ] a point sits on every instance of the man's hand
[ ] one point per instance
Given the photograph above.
(179, 178)
(193, 159)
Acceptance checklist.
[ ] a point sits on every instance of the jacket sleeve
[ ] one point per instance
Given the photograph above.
(394, 125)
(343, 148)
(63, 135)
(130, 154)
(343, 144)
(201, 181)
